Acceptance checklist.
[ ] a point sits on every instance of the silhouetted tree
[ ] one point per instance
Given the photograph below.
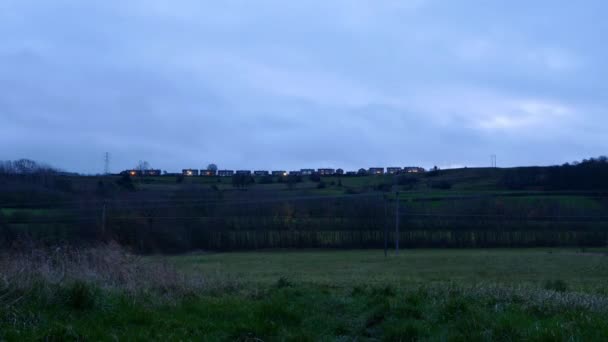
(242, 180)
(266, 179)
(292, 180)
(125, 182)
(143, 166)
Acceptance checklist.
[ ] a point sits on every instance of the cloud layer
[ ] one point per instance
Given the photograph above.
(288, 85)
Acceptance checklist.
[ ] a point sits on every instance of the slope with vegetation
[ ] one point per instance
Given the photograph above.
(471, 207)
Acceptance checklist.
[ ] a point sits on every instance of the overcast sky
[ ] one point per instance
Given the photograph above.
(277, 84)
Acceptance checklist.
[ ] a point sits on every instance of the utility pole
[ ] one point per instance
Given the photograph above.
(397, 223)
(106, 160)
(385, 227)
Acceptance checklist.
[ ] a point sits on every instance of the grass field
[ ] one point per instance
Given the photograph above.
(581, 271)
(314, 295)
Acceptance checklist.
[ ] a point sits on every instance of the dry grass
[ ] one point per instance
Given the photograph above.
(108, 267)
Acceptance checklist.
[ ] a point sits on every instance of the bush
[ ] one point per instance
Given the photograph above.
(64, 185)
(125, 182)
(441, 185)
(80, 295)
(454, 308)
(406, 180)
(432, 173)
(292, 180)
(384, 187)
(351, 191)
(241, 180)
(283, 282)
(266, 180)
(556, 285)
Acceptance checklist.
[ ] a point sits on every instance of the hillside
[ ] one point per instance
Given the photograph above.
(449, 208)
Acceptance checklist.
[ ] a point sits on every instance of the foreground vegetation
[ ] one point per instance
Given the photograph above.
(107, 294)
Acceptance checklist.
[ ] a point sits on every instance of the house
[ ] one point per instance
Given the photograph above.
(393, 170)
(260, 173)
(413, 169)
(208, 173)
(279, 173)
(307, 172)
(351, 173)
(131, 173)
(376, 170)
(339, 172)
(362, 172)
(243, 172)
(326, 172)
(152, 172)
(189, 172)
(295, 173)
(225, 173)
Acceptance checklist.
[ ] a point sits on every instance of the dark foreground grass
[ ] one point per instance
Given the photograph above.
(287, 311)
(107, 294)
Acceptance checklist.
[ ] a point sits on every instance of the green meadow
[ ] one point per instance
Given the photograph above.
(316, 295)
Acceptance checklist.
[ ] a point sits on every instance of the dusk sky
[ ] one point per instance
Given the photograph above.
(274, 84)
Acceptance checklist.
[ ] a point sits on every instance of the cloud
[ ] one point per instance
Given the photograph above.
(286, 85)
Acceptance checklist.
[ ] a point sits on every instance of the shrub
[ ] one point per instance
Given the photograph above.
(266, 180)
(556, 285)
(125, 182)
(384, 187)
(283, 282)
(454, 308)
(80, 295)
(351, 191)
(406, 180)
(442, 185)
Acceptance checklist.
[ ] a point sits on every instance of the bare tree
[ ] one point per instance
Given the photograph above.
(142, 166)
